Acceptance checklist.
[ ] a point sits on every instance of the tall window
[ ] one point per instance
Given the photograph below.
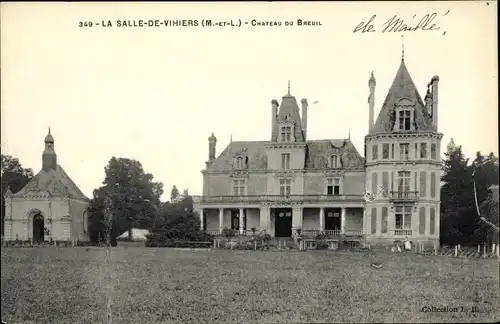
(423, 150)
(374, 220)
(433, 151)
(385, 151)
(239, 187)
(374, 152)
(421, 222)
(423, 184)
(433, 185)
(285, 160)
(403, 217)
(239, 163)
(333, 187)
(385, 212)
(334, 160)
(432, 221)
(404, 120)
(392, 151)
(403, 182)
(385, 183)
(85, 220)
(285, 187)
(286, 134)
(404, 151)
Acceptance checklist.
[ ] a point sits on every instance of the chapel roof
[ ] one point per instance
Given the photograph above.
(52, 183)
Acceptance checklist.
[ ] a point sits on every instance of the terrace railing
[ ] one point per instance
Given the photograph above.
(403, 196)
(403, 232)
(331, 233)
(275, 198)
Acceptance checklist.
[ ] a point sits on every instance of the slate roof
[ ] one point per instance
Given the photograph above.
(56, 182)
(402, 87)
(290, 107)
(316, 157)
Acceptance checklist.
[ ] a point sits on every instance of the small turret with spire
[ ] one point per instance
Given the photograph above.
(49, 157)
(371, 101)
(402, 47)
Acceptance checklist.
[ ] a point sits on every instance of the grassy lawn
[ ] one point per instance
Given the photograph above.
(67, 285)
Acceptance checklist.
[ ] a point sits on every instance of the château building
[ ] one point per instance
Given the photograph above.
(50, 206)
(292, 182)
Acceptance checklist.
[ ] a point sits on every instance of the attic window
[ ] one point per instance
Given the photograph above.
(286, 133)
(239, 163)
(333, 161)
(404, 119)
(405, 113)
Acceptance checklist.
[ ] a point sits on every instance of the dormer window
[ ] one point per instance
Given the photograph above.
(404, 120)
(286, 128)
(405, 115)
(333, 161)
(239, 163)
(286, 133)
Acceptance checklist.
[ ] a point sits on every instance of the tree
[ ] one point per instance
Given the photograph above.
(14, 176)
(134, 196)
(489, 209)
(174, 194)
(176, 222)
(486, 174)
(460, 223)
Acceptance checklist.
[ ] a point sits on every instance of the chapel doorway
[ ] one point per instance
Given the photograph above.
(38, 228)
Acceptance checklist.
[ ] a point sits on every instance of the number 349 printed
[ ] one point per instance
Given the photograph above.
(85, 24)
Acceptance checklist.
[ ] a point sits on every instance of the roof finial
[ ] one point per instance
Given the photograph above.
(288, 87)
(349, 134)
(49, 130)
(231, 138)
(402, 47)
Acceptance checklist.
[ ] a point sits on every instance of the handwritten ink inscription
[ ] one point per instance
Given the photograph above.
(396, 24)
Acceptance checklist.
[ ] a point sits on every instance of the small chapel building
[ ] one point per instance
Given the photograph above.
(49, 207)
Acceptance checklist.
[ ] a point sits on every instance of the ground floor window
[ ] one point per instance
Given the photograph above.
(403, 217)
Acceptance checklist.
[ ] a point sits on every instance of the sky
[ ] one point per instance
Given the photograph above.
(155, 94)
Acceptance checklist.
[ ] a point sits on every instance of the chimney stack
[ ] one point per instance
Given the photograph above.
(371, 102)
(274, 119)
(212, 140)
(435, 111)
(304, 117)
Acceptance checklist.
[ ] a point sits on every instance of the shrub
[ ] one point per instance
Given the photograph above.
(174, 226)
(228, 233)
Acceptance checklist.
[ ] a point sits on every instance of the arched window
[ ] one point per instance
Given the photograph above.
(85, 220)
(333, 161)
(239, 163)
(405, 113)
(286, 133)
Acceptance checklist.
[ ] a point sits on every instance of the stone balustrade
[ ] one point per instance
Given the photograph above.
(256, 199)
